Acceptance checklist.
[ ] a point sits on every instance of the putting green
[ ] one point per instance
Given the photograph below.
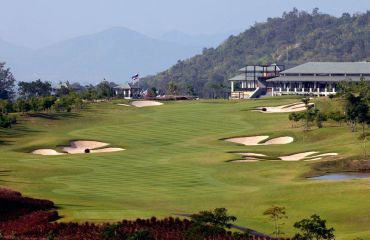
(175, 162)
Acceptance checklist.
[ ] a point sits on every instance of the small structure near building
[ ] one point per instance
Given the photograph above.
(251, 82)
(127, 91)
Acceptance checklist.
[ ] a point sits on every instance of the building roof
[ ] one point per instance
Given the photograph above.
(330, 67)
(126, 86)
(240, 77)
(260, 68)
(314, 79)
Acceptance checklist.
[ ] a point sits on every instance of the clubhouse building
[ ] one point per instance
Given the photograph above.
(313, 78)
(127, 91)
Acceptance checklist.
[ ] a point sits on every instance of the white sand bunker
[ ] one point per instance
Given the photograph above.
(121, 104)
(307, 156)
(248, 141)
(297, 157)
(255, 141)
(47, 152)
(279, 140)
(252, 154)
(295, 107)
(246, 161)
(78, 147)
(145, 103)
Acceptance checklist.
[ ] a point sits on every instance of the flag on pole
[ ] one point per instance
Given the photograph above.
(135, 77)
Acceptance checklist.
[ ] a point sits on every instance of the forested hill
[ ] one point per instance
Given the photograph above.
(308, 36)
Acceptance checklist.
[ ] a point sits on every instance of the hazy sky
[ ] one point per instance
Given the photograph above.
(36, 23)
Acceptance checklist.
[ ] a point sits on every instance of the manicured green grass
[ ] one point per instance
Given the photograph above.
(175, 162)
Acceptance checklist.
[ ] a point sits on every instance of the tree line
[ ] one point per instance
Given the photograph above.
(40, 96)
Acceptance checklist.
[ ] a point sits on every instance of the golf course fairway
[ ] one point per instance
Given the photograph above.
(176, 161)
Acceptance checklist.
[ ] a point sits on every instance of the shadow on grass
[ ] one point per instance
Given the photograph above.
(53, 116)
(8, 135)
(21, 129)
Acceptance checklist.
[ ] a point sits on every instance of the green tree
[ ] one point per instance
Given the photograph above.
(5, 106)
(105, 89)
(295, 117)
(35, 104)
(313, 228)
(36, 88)
(22, 105)
(337, 117)
(276, 214)
(6, 120)
(306, 102)
(320, 118)
(210, 223)
(172, 88)
(7, 82)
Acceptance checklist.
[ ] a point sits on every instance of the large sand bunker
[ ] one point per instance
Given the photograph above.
(295, 107)
(145, 103)
(256, 140)
(297, 157)
(279, 140)
(47, 152)
(248, 141)
(305, 156)
(79, 147)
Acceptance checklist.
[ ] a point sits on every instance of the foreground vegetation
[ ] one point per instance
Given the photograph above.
(28, 218)
(175, 164)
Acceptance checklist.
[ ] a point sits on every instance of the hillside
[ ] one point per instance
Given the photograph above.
(114, 54)
(308, 36)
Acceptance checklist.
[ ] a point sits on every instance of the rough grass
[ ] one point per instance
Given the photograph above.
(175, 162)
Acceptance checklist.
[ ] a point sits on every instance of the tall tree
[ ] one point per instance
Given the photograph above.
(7, 82)
(105, 89)
(313, 228)
(276, 213)
(36, 88)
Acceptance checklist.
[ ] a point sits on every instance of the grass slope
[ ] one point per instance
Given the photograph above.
(175, 163)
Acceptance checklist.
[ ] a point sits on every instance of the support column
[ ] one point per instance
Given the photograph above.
(232, 86)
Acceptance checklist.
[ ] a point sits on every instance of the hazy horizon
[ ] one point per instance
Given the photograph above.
(39, 23)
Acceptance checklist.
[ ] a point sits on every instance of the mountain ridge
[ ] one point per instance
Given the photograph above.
(294, 38)
(114, 54)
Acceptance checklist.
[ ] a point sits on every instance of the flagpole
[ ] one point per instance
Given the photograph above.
(138, 86)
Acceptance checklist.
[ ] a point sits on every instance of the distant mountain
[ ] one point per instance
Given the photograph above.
(114, 54)
(11, 53)
(294, 38)
(200, 40)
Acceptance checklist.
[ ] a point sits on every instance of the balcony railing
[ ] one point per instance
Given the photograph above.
(305, 91)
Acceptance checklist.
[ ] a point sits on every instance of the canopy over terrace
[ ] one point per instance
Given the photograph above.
(251, 82)
(318, 78)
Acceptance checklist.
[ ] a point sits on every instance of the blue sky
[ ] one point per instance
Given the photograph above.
(35, 23)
